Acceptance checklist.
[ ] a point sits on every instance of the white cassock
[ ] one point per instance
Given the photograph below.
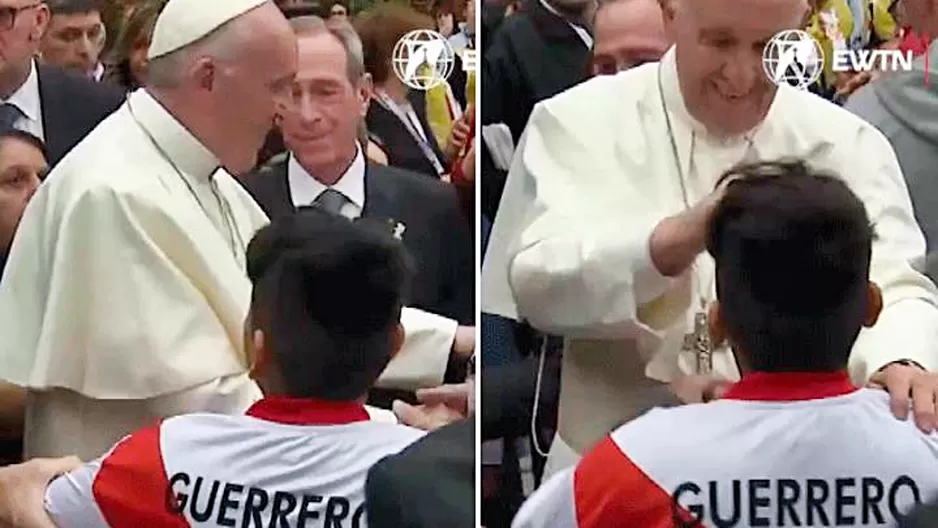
(596, 172)
(125, 293)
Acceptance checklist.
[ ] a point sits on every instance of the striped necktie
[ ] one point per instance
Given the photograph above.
(331, 201)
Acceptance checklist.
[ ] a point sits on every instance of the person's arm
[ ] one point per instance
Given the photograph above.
(430, 341)
(22, 487)
(586, 261)
(910, 300)
(128, 486)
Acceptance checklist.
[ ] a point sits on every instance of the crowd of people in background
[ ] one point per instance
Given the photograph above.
(348, 138)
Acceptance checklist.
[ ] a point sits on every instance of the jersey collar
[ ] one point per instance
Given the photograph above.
(301, 411)
(790, 386)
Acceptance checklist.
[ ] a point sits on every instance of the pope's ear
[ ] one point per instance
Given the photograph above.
(203, 72)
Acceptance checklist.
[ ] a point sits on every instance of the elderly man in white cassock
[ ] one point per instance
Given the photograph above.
(599, 236)
(125, 292)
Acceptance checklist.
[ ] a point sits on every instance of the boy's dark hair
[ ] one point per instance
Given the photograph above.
(792, 248)
(327, 294)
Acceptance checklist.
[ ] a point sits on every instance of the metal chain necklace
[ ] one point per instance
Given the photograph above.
(235, 241)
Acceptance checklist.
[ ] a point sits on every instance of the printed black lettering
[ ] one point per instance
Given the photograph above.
(357, 519)
(308, 510)
(254, 506)
(896, 505)
(716, 511)
(788, 493)
(206, 514)
(871, 496)
(337, 509)
(696, 510)
(284, 504)
(228, 503)
(176, 501)
(756, 501)
(817, 496)
(844, 497)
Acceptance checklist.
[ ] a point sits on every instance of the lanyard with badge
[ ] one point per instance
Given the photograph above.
(389, 104)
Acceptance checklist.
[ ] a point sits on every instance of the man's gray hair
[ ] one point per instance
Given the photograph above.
(343, 32)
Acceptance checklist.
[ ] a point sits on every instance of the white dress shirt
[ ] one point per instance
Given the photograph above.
(304, 188)
(27, 99)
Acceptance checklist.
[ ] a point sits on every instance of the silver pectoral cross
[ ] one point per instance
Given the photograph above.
(698, 341)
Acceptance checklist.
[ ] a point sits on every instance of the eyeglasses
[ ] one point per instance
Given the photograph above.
(8, 15)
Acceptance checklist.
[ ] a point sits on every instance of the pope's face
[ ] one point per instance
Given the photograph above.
(21, 166)
(719, 45)
(321, 128)
(627, 34)
(249, 91)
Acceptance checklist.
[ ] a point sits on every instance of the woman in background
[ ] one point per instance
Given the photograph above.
(127, 64)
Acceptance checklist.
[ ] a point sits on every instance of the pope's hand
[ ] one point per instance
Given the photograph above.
(677, 240)
(699, 388)
(23, 489)
(904, 382)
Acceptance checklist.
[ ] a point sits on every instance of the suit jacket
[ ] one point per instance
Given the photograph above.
(436, 234)
(429, 484)
(71, 107)
(403, 151)
(533, 56)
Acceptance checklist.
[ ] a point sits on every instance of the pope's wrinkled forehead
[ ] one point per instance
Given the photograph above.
(745, 20)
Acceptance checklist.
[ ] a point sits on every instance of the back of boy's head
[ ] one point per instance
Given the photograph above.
(792, 249)
(328, 295)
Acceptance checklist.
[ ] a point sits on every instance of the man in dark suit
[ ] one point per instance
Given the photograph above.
(56, 106)
(429, 484)
(326, 166)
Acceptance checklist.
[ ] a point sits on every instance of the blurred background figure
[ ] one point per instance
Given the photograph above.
(127, 63)
(444, 13)
(22, 166)
(397, 117)
(75, 37)
(338, 12)
(628, 33)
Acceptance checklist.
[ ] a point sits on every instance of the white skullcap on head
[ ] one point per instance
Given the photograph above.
(183, 22)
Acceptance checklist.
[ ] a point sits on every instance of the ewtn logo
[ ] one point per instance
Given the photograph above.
(796, 58)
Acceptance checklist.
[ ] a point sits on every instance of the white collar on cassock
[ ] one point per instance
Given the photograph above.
(185, 151)
(26, 97)
(305, 188)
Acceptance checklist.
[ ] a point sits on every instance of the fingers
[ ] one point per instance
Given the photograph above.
(54, 467)
(923, 403)
(454, 396)
(412, 416)
(899, 386)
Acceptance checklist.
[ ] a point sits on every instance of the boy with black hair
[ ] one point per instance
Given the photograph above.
(800, 445)
(301, 455)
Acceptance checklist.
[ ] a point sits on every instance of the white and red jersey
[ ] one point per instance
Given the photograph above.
(778, 450)
(286, 463)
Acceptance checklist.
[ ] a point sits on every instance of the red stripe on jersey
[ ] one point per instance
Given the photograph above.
(790, 386)
(303, 411)
(131, 488)
(610, 491)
